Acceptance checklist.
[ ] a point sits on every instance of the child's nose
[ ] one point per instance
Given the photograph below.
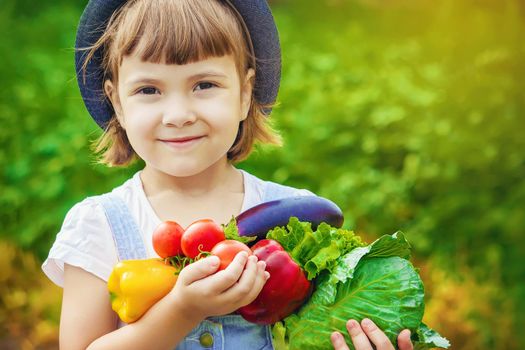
(178, 113)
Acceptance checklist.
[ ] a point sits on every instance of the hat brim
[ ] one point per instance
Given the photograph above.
(257, 18)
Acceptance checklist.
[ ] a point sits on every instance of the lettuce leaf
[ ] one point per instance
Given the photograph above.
(314, 251)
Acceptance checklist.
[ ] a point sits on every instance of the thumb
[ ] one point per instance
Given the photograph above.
(199, 269)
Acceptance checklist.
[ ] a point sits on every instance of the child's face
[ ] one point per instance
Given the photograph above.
(181, 119)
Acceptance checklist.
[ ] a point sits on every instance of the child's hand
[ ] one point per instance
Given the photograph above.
(201, 291)
(367, 337)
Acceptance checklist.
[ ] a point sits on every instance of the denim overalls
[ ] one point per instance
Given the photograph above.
(220, 333)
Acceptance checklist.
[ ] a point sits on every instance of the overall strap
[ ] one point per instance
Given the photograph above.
(126, 233)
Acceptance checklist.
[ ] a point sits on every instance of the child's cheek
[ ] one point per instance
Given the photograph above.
(142, 116)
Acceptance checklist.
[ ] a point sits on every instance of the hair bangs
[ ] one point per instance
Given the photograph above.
(167, 31)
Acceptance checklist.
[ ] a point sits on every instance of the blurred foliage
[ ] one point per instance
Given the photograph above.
(405, 113)
(461, 305)
(29, 302)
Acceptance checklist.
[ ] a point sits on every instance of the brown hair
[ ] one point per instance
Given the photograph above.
(174, 34)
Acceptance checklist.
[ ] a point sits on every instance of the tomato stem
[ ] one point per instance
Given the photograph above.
(202, 254)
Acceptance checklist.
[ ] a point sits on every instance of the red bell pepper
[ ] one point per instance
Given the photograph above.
(285, 290)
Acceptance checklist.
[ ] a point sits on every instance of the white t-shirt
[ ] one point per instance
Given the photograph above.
(85, 239)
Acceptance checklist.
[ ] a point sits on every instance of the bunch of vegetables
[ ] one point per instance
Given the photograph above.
(135, 285)
(320, 274)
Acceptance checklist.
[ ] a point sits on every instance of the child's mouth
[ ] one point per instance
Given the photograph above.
(182, 142)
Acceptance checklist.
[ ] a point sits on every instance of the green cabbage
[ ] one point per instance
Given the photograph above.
(355, 281)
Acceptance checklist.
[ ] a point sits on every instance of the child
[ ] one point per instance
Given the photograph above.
(186, 86)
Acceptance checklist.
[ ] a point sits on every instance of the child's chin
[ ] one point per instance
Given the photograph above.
(184, 170)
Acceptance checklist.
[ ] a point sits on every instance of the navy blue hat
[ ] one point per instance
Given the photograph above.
(257, 18)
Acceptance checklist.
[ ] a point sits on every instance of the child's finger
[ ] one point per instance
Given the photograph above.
(226, 278)
(377, 336)
(359, 338)
(338, 341)
(403, 340)
(198, 270)
(261, 276)
(245, 284)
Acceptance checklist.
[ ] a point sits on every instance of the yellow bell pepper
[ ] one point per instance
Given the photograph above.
(135, 285)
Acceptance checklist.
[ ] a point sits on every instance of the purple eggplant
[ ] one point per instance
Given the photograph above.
(258, 220)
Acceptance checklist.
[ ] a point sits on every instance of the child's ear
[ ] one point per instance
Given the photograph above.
(246, 92)
(111, 93)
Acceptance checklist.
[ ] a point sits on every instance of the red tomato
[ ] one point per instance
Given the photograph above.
(202, 235)
(167, 239)
(226, 251)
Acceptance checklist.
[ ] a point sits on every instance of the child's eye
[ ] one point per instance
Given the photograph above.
(205, 85)
(147, 91)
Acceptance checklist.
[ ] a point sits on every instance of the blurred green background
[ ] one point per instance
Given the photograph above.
(408, 114)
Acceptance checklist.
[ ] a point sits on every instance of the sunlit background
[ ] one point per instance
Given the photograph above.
(408, 114)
